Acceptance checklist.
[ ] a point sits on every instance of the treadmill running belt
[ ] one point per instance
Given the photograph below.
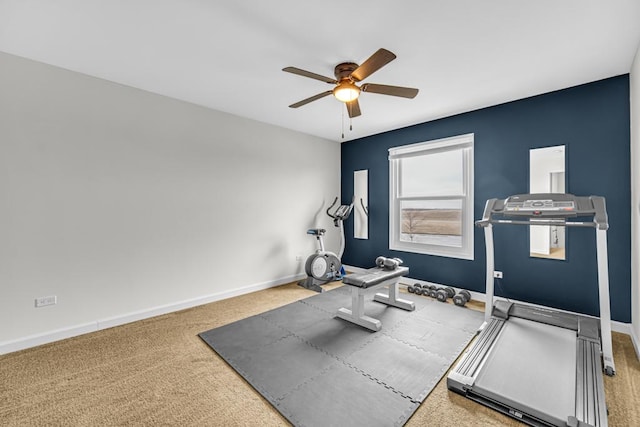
(535, 365)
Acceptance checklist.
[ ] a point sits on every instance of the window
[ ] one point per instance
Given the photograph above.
(431, 197)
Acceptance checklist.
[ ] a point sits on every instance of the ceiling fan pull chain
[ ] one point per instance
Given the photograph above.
(342, 109)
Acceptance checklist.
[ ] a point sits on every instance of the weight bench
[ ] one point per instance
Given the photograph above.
(372, 279)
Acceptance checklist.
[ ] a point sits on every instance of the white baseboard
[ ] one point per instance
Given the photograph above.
(73, 331)
(636, 343)
(47, 337)
(623, 328)
(194, 302)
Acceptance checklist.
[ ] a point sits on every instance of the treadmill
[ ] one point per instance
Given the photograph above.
(541, 366)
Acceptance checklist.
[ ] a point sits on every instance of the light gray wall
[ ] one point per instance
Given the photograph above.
(634, 84)
(125, 204)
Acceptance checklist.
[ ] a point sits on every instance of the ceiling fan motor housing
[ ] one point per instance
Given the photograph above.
(344, 70)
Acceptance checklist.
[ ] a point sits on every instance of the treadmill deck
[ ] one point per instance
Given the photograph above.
(535, 365)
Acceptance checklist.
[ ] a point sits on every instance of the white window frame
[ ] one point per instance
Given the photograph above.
(396, 154)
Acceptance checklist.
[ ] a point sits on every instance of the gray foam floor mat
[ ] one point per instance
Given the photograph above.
(319, 370)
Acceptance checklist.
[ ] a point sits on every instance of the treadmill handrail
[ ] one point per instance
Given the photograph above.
(486, 216)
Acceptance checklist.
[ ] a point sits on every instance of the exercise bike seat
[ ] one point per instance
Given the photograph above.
(316, 231)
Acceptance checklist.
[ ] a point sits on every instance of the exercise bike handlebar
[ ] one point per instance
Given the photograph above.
(331, 207)
(341, 213)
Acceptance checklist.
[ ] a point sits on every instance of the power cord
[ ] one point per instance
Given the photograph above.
(498, 283)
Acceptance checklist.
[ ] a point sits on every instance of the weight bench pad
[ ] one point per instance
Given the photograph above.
(371, 279)
(373, 276)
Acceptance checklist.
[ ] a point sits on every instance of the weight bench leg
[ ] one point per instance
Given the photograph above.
(391, 298)
(356, 314)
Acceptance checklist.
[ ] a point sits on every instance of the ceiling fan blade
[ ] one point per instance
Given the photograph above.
(309, 74)
(310, 99)
(404, 92)
(376, 61)
(353, 108)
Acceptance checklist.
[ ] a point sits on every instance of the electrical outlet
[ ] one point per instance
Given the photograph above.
(50, 300)
(497, 274)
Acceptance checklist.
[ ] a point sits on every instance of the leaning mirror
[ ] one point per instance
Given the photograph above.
(547, 175)
(361, 204)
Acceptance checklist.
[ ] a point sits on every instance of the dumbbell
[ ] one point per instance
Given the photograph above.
(424, 289)
(433, 292)
(443, 293)
(462, 298)
(427, 288)
(388, 263)
(415, 289)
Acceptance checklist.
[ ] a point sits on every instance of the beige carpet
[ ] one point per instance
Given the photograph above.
(159, 372)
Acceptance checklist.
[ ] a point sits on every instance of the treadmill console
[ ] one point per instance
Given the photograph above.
(540, 205)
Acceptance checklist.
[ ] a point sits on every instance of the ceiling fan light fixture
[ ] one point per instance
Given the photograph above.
(346, 92)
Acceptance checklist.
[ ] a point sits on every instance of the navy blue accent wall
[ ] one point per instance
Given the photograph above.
(592, 121)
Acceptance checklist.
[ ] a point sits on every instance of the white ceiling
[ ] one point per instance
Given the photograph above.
(228, 54)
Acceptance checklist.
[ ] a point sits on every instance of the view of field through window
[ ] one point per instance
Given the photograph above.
(432, 226)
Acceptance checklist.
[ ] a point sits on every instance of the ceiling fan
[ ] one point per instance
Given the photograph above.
(347, 75)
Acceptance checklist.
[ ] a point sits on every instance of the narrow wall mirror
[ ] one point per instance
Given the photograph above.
(547, 175)
(361, 204)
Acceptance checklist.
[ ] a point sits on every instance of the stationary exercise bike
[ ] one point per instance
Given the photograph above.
(324, 266)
